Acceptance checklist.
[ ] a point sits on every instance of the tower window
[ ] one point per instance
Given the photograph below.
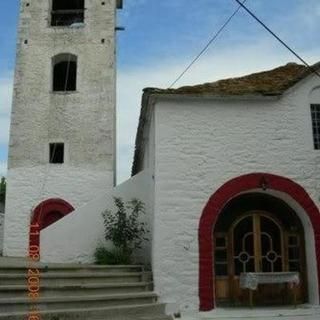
(67, 12)
(65, 72)
(315, 115)
(119, 4)
(56, 153)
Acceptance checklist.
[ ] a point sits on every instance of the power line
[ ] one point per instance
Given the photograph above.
(207, 45)
(278, 38)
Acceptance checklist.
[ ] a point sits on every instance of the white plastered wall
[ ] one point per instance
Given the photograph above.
(201, 143)
(74, 238)
(33, 185)
(83, 119)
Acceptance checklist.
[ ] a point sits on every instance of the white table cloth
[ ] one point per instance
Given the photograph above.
(251, 280)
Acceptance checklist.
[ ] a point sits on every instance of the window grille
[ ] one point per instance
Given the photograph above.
(315, 115)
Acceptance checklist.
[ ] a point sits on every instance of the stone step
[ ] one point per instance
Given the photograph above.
(147, 317)
(21, 291)
(68, 268)
(73, 302)
(150, 311)
(59, 278)
(76, 291)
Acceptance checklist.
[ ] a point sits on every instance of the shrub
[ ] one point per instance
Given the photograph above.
(112, 257)
(124, 229)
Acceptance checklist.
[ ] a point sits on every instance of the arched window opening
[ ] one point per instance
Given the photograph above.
(67, 12)
(65, 72)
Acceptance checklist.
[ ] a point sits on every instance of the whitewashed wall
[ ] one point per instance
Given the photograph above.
(201, 143)
(84, 119)
(75, 237)
(30, 186)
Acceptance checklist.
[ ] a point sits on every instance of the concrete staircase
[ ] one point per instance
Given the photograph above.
(80, 292)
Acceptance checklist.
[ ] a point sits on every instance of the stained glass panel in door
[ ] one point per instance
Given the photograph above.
(243, 242)
(271, 246)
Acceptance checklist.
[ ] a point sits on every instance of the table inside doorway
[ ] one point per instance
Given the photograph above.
(251, 281)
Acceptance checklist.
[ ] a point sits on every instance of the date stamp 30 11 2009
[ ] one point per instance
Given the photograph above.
(33, 276)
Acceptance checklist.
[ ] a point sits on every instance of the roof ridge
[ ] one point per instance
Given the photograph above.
(267, 82)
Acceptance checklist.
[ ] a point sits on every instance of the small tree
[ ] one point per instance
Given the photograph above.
(3, 185)
(124, 229)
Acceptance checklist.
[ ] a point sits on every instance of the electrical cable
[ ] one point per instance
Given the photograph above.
(216, 35)
(278, 38)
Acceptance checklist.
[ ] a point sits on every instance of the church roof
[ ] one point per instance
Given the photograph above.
(267, 83)
(262, 84)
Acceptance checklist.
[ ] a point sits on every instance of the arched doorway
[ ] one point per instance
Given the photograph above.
(264, 183)
(257, 232)
(45, 214)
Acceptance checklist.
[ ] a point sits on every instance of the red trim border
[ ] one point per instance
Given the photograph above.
(42, 210)
(216, 204)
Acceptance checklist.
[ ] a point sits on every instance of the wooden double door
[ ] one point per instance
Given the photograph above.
(257, 242)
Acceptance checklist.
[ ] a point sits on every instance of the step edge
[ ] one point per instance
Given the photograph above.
(70, 299)
(45, 312)
(76, 286)
(80, 266)
(78, 275)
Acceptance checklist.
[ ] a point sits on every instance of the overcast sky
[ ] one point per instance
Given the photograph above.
(162, 37)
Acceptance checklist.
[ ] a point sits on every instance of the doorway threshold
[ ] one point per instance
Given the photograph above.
(301, 312)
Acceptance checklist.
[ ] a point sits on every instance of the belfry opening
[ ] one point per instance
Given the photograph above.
(65, 13)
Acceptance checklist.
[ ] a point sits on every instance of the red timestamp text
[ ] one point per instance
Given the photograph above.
(33, 275)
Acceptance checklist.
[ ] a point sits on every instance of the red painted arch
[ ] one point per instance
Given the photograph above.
(216, 204)
(45, 214)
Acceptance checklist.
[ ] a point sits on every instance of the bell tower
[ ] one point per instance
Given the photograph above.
(62, 135)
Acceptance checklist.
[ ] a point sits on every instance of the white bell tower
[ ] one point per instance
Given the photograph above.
(62, 138)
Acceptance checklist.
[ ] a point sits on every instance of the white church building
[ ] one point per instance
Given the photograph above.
(229, 171)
